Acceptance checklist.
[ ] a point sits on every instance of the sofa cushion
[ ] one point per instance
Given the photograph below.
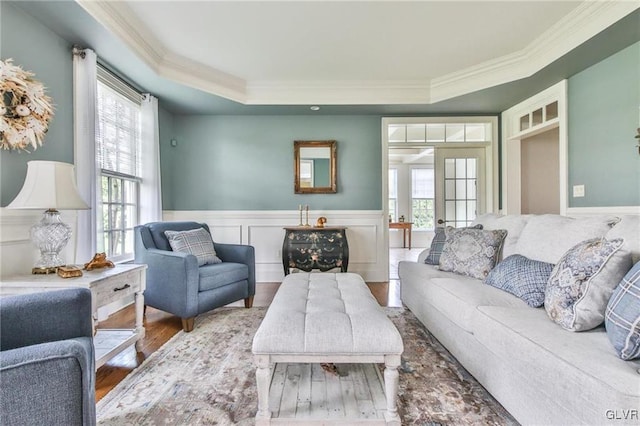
(547, 237)
(437, 244)
(628, 229)
(575, 369)
(456, 296)
(523, 277)
(622, 317)
(221, 274)
(197, 242)
(582, 282)
(513, 224)
(470, 251)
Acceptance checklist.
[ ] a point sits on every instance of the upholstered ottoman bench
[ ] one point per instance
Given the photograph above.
(326, 318)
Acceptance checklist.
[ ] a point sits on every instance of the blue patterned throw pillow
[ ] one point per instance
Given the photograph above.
(197, 242)
(470, 251)
(523, 277)
(582, 282)
(622, 317)
(437, 244)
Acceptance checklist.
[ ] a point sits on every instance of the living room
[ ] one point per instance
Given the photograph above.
(232, 167)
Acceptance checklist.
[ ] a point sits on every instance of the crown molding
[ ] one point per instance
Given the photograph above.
(585, 21)
(119, 19)
(194, 74)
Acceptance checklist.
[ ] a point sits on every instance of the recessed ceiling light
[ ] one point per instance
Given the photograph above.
(315, 108)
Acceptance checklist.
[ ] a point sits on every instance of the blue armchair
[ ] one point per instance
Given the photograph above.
(47, 365)
(175, 282)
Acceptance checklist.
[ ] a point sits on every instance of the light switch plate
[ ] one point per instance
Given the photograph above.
(578, 191)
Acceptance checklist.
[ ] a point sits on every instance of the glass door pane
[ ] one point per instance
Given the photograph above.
(459, 185)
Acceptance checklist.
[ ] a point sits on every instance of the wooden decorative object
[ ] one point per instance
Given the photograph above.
(99, 261)
(321, 221)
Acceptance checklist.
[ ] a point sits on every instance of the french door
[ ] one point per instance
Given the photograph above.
(459, 185)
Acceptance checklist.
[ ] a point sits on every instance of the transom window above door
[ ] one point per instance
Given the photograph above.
(439, 132)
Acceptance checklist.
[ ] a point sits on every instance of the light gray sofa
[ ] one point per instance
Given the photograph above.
(541, 373)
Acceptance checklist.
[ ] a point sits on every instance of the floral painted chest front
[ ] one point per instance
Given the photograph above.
(308, 248)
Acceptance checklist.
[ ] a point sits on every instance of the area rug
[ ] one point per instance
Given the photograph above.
(207, 377)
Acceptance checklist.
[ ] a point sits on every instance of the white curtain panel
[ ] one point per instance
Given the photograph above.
(84, 114)
(150, 189)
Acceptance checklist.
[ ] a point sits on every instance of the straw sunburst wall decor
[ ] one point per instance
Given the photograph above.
(25, 111)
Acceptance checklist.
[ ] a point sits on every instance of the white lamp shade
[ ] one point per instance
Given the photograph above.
(49, 185)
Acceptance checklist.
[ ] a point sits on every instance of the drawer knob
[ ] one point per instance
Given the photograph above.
(124, 287)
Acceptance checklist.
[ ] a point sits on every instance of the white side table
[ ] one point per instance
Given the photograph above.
(107, 285)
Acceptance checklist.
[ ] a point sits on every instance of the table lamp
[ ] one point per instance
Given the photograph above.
(49, 185)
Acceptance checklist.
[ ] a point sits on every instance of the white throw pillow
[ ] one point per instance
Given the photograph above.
(197, 242)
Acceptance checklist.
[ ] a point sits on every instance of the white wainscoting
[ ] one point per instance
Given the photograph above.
(368, 254)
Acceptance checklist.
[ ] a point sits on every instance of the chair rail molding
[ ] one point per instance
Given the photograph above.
(264, 230)
(604, 211)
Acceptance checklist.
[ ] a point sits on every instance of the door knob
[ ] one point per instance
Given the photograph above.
(440, 221)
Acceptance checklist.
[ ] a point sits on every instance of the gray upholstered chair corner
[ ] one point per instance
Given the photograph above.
(175, 282)
(47, 361)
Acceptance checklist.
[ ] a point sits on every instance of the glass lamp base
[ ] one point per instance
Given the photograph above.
(44, 271)
(50, 235)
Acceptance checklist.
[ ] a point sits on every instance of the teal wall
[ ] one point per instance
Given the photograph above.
(35, 48)
(246, 162)
(604, 113)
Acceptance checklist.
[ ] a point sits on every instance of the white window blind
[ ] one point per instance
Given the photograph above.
(118, 130)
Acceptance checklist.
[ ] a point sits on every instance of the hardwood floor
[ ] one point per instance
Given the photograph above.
(161, 326)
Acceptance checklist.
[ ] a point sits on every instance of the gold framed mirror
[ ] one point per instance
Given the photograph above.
(314, 168)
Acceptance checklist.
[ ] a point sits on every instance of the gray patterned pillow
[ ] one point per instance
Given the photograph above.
(437, 244)
(582, 282)
(523, 277)
(470, 251)
(197, 242)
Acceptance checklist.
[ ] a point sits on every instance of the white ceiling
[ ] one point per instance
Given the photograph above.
(358, 52)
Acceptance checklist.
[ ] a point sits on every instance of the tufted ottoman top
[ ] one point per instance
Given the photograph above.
(326, 313)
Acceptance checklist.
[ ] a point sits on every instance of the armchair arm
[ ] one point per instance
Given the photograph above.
(64, 391)
(30, 319)
(172, 281)
(239, 253)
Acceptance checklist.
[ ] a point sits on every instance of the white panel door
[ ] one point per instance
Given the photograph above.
(460, 185)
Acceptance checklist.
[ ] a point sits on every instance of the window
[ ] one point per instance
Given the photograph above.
(427, 133)
(422, 198)
(118, 147)
(393, 195)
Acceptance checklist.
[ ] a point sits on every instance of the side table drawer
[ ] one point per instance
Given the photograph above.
(117, 287)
